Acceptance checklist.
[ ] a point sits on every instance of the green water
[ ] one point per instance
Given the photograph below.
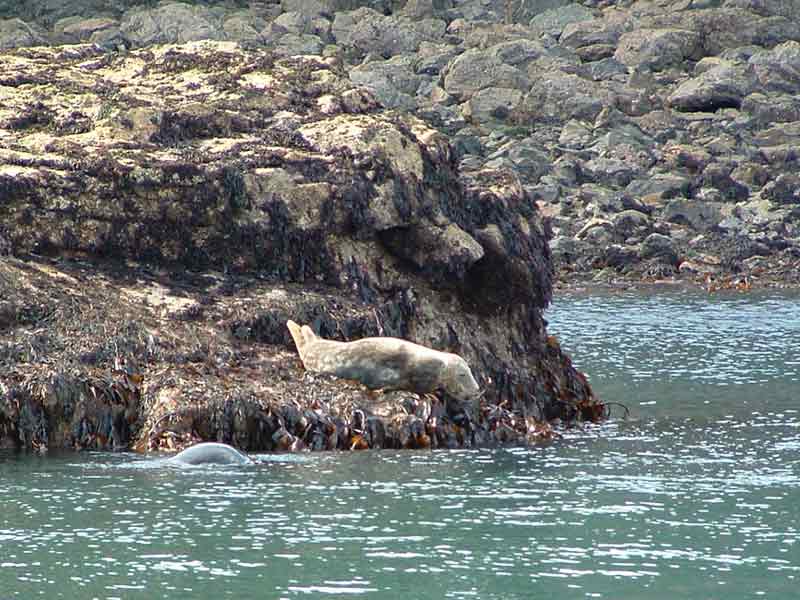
(696, 496)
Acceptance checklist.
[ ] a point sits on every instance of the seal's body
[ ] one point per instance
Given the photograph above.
(386, 362)
(212, 453)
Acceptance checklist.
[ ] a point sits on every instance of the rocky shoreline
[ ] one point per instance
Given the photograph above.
(177, 179)
(166, 210)
(659, 139)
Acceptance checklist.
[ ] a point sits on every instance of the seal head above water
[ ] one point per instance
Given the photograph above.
(386, 362)
(211, 453)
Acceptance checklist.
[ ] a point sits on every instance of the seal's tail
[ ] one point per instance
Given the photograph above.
(301, 336)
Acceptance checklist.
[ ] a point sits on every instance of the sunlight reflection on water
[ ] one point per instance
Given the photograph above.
(697, 496)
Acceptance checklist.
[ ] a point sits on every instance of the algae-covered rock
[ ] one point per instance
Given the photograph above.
(168, 209)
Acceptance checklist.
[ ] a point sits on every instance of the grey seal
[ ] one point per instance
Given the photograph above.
(211, 453)
(386, 363)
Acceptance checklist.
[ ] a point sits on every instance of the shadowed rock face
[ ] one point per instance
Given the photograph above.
(167, 209)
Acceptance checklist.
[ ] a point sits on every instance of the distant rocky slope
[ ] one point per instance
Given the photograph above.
(658, 137)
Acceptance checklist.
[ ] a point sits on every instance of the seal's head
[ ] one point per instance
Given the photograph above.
(458, 381)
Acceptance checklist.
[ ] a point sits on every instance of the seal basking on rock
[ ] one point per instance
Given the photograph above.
(386, 362)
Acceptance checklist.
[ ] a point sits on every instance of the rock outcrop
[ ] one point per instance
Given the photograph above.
(167, 209)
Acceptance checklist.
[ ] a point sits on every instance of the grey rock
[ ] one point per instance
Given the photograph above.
(553, 21)
(564, 96)
(468, 141)
(659, 246)
(328, 8)
(171, 23)
(475, 70)
(46, 13)
(610, 171)
(16, 33)
(700, 216)
(523, 11)
(518, 53)
(433, 57)
(780, 135)
(527, 157)
(659, 185)
(566, 250)
(723, 86)
(244, 26)
(606, 69)
(785, 189)
(730, 28)
(423, 9)
(300, 24)
(393, 82)
(78, 29)
(592, 40)
(575, 134)
(768, 109)
(292, 44)
(779, 69)
(658, 49)
(630, 223)
(768, 8)
(718, 176)
(481, 34)
(618, 256)
(491, 103)
(366, 30)
(444, 251)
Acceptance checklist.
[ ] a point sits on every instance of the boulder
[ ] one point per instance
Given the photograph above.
(658, 49)
(773, 108)
(630, 223)
(522, 11)
(767, 8)
(367, 31)
(171, 23)
(659, 246)
(726, 28)
(16, 33)
(592, 40)
(77, 29)
(293, 44)
(722, 86)
(492, 103)
(553, 21)
(563, 96)
(300, 24)
(393, 82)
(778, 70)
(526, 157)
(234, 189)
(700, 216)
(475, 70)
(432, 58)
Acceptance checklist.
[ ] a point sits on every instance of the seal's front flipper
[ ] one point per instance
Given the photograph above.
(297, 336)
